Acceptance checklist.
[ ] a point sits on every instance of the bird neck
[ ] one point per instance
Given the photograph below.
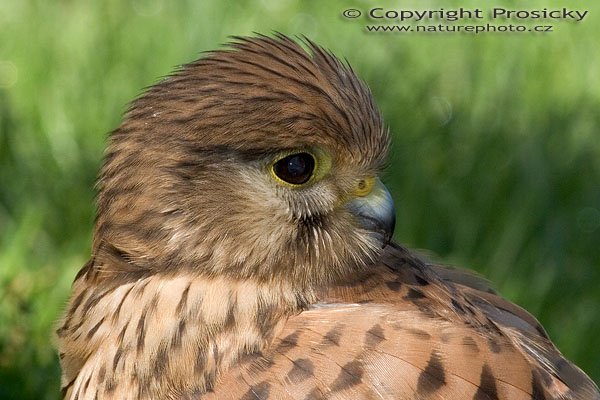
(186, 328)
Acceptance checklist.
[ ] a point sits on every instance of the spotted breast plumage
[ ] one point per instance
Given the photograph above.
(242, 251)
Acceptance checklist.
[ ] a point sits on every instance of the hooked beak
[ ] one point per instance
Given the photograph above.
(375, 211)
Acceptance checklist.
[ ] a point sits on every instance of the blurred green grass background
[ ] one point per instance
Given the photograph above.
(495, 163)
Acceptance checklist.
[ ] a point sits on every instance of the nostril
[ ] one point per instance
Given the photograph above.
(364, 187)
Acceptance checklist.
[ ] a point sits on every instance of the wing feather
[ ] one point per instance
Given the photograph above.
(409, 330)
(372, 351)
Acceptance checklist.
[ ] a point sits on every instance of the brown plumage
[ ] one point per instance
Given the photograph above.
(241, 251)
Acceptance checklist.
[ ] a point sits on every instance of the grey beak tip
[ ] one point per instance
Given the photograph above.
(376, 212)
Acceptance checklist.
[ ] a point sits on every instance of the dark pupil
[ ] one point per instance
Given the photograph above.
(296, 169)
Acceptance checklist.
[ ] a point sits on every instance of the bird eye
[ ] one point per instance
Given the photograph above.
(295, 169)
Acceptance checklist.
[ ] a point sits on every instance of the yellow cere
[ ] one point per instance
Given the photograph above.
(364, 187)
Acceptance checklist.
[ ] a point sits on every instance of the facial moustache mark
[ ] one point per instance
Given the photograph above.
(311, 221)
(310, 227)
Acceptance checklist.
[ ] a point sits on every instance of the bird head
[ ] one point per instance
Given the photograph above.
(258, 161)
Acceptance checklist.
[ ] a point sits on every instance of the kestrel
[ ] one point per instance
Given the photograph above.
(242, 251)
